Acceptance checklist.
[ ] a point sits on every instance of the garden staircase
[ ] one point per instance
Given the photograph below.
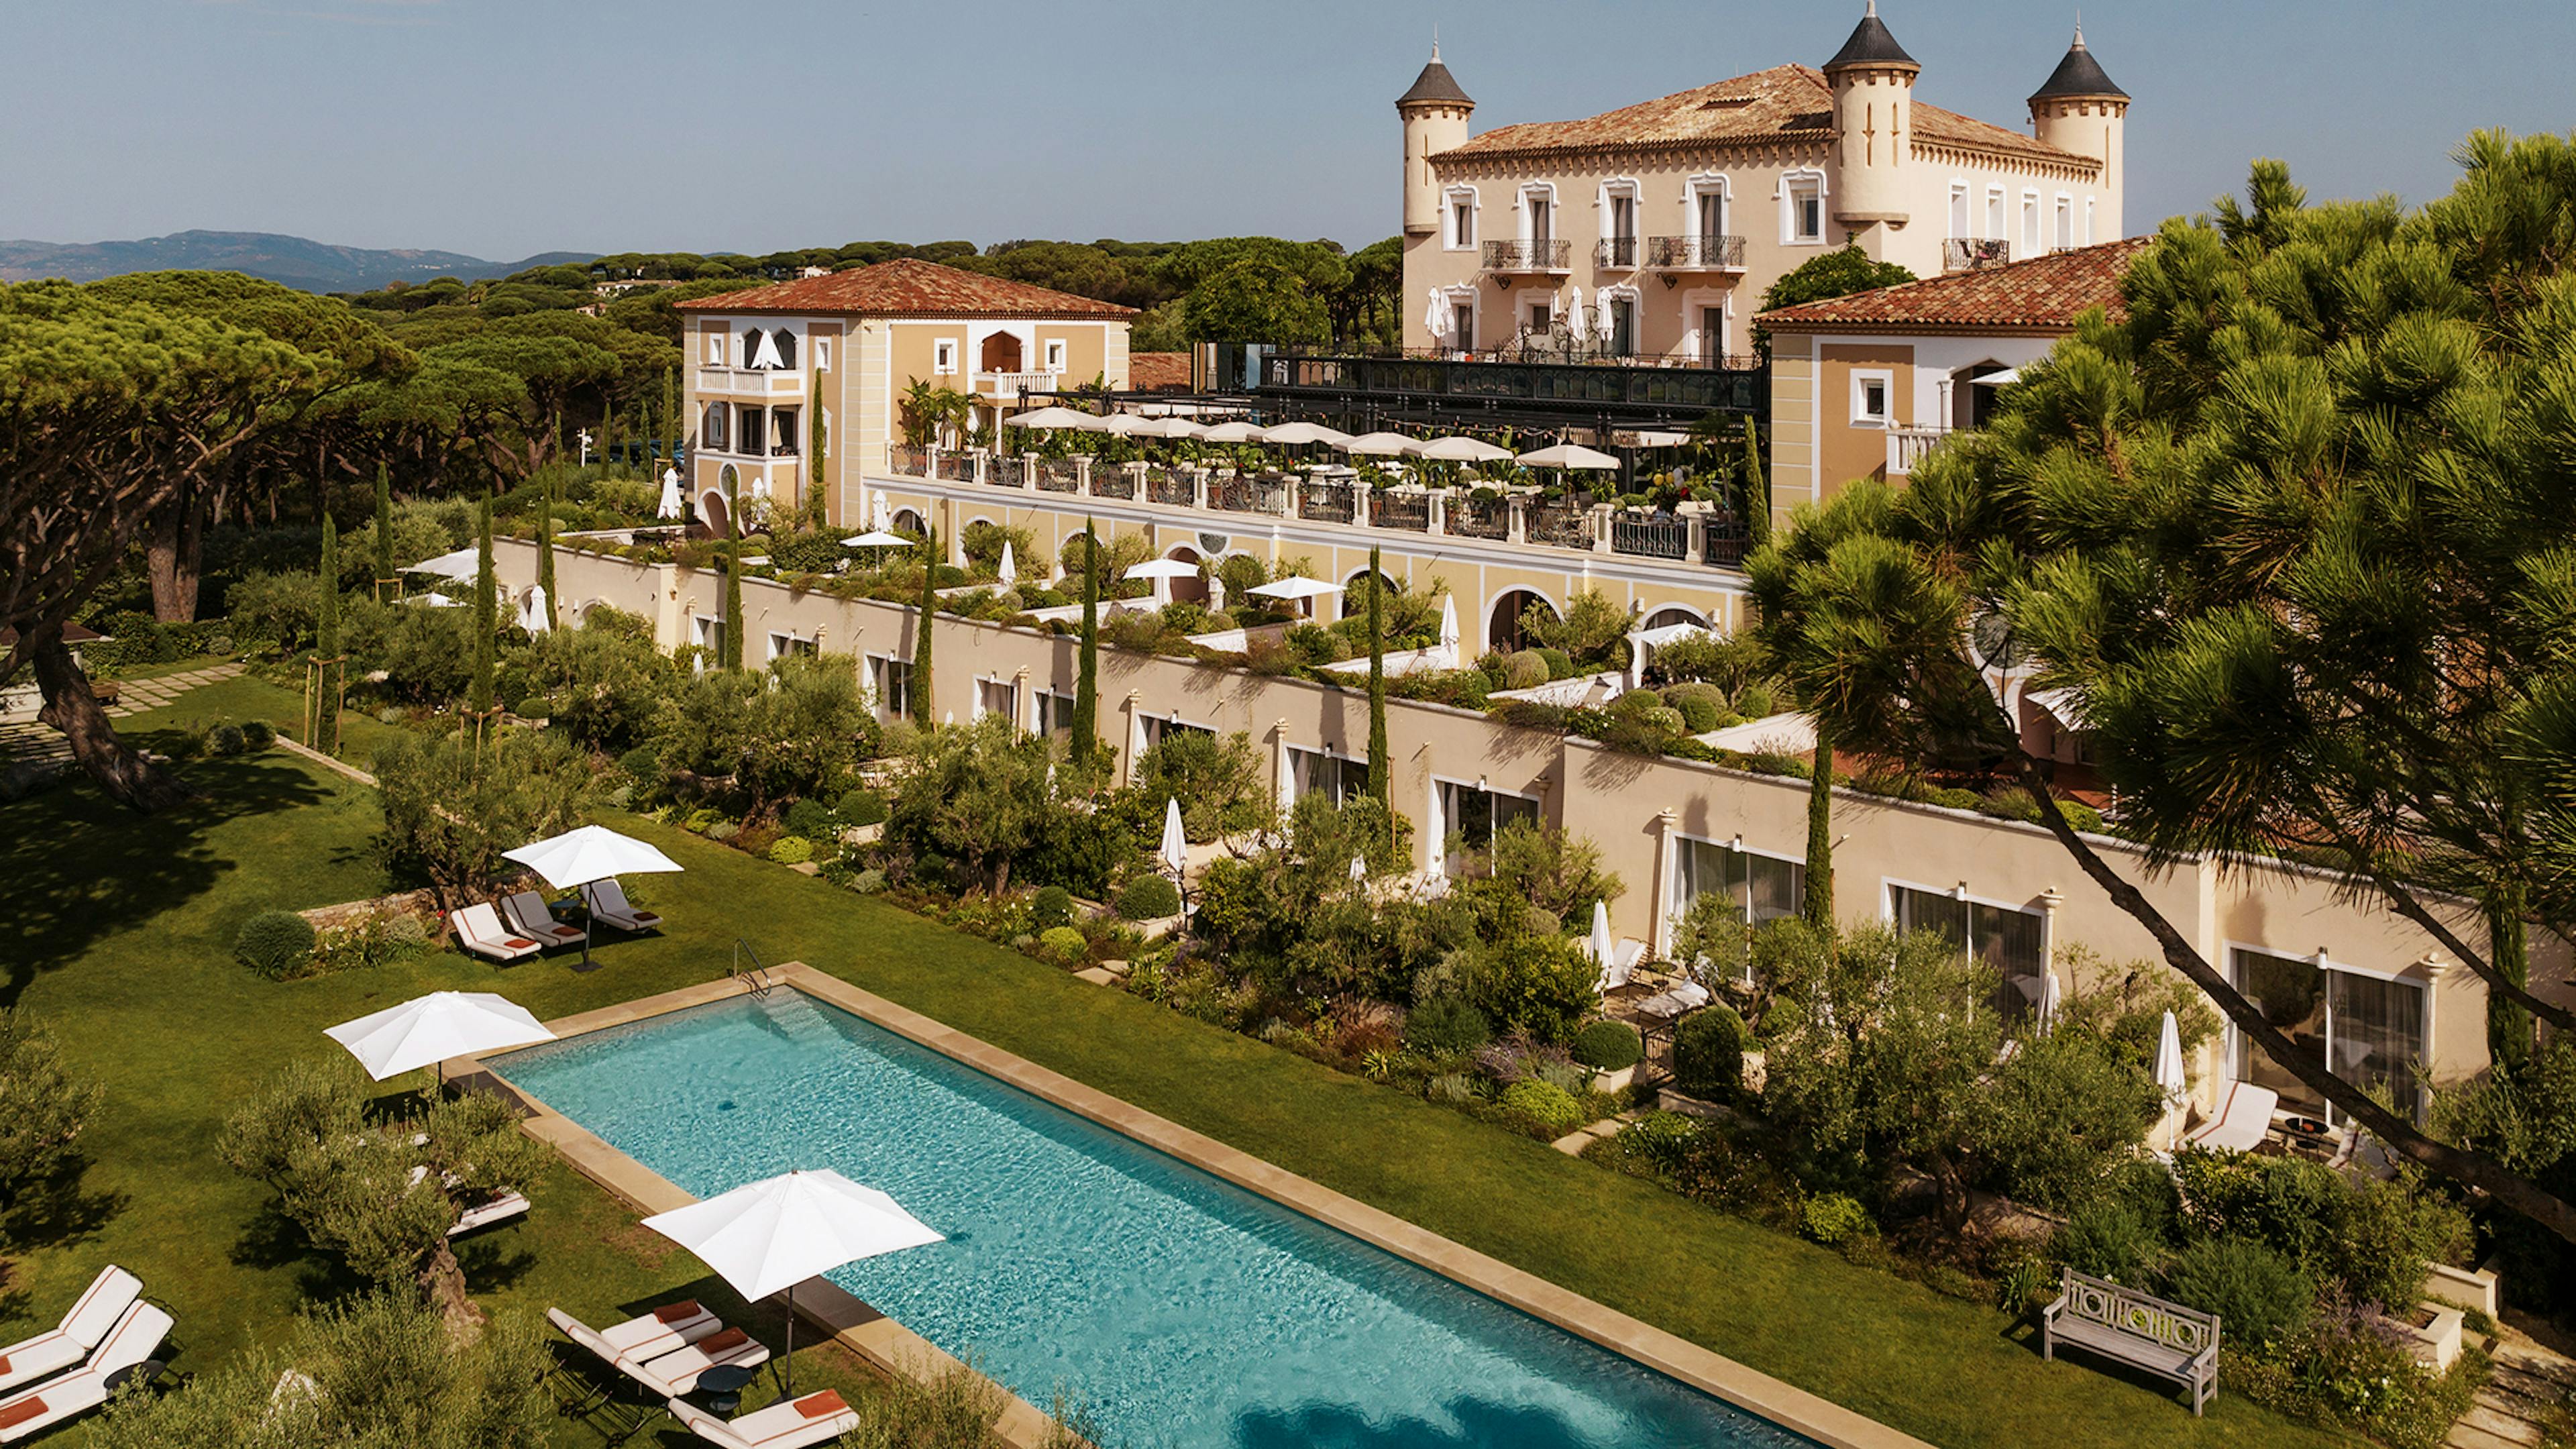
(2533, 1388)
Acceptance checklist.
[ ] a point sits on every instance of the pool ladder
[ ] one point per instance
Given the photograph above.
(757, 977)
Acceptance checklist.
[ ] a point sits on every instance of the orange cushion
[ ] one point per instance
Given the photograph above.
(4, 1363)
(675, 1312)
(730, 1339)
(518, 943)
(21, 1411)
(822, 1405)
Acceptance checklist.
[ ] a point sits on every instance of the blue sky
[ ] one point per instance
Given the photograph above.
(507, 127)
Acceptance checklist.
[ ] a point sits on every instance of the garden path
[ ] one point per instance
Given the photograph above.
(43, 744)
(2533, 1386)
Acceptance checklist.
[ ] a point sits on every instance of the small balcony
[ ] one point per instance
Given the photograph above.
(1615, 253)
(1700, 252)
(1543, 257)
(748, 382)
(1907, 447)
(1969, 254)
(1016, 384)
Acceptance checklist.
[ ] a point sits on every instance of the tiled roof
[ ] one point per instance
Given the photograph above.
(2079, 74)
(908, 287)
(1154, 371)
(1784, 103)
(1435, 84)
(1871, 44)
(2042, 294)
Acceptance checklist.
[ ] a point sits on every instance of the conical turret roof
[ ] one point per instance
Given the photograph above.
(1435, 86)
(1870, 44)
(2079, 74)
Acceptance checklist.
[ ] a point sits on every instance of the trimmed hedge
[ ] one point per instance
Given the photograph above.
(275, 944)
(1708, 1052)
(1149, 898)
(1607, 1045)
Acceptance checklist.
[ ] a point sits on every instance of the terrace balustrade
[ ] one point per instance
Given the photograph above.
(1251, 493)
(1060, 475)
(1480, 517)
(1699, 252)
(1328, 502)
(1650, 535)
(1724, 541)
(1111, 480)
(907, 461)
(1560, 525)
(955, 467)
(1619, 252)
(1010, 471)
(1544, 255)
(1410, 511)
(1907, 447)
(1175, 486)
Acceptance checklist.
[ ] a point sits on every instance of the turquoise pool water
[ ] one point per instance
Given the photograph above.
(1183, 1311)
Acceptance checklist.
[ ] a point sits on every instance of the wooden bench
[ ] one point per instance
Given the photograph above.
(2142, 1331)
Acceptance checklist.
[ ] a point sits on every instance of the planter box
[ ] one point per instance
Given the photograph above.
(2463, 1288)
(1613, 1081)
(1668, 1100)
(863, 834)
(2435, 1344)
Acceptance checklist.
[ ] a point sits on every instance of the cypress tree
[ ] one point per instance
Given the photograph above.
(818, 498)
(2509, 1041)
(729, 648)
(479, 688)
(325, 735)
(546, 549)
(671, 415)
(1381, 773)
(1757, 492)
(1086, 689)
(386, 563)
(1818, 908)
(921, 695)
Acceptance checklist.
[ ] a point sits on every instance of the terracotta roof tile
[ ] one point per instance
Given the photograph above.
(1157, 371)
(908, 287)
(2043, 293)
(1786, 102)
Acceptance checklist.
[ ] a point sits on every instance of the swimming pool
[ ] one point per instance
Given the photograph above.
(1180, 1309)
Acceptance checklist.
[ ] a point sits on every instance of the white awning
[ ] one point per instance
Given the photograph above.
(2005, 378)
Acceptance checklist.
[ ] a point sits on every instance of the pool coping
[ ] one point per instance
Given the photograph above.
(890, 1346)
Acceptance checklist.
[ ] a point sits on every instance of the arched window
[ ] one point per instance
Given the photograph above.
(786, 341)
(712, 434)
(751, 340)
(1503, 628)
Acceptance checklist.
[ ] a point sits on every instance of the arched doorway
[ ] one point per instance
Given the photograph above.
(1674, 614)
(1503, 628)
(908, 523)
(1000, 353)
(1190, 588)
(713, 513)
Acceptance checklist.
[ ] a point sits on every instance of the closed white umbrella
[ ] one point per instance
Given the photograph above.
(765, 356)
(1009, 570)
(670, 506)
(1175, 850)
(1359, 869)
(1576, 323)
(590, 853)
(1237, 431)
(879, 519)
(1603, 949)
(2169, 1078)
(2051, 996)
(1461, 450)
(1608, 317)
(533, 617)
(1297, 435)
(1435, 320)
(1449, 623)
(428, 1030)
(768, 1236)
(1380, 445)
(1567, 455)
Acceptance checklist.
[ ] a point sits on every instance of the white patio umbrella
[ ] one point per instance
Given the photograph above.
(1174, 852)
(1057, 418)
(1608, 316)
(879, 520)
(462, 565)
(1359, 869)
(1162, 571)
(768, 1236)
(1577, 324)
(1295, 587)
(2051, 996)
(670, 506)
(1461, 450)
(427, 1030)
(1237, 431)
(533, 617)
(1567, 455)
(1298, 435)
(433, 600)
(2169, 1078)
(1603, 949)
(590, 853)
(1125, 425)
(877, 538)
(1170, 427)
(1380, 445)
(1435, 320)
(1008, 570)
(1449, 623)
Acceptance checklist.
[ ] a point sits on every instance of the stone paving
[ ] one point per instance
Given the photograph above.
(27, 740)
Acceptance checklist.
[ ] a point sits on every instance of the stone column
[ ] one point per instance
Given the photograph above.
(1133, 708)
(1659, 929)
(1284, 778)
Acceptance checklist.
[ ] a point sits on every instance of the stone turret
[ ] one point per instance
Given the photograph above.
(1435, 113)
(1873, 87)
(2080, 110)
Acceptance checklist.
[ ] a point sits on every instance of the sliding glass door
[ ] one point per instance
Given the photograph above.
(2368, 1030)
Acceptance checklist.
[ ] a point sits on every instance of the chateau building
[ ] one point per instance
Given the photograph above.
(1651, 232)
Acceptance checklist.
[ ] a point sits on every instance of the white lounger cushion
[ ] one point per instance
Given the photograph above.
(681, 1368)
(136, 1337)
(2244, 1116)
(607, 902)
(526, 914)
(672, 1326)
(813, 1419)
(480, 931)
(628, 1364)
(484, 1214)
(93, 1314)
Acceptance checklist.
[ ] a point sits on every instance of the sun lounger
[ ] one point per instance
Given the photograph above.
(93, 1314)
(479, 931)
(498, 1208)
(795, 1424)
(526, 915)
(135, 1338)
(2244, 1118)
(607, 902)
(671, 1326)
(733, 1347)
(664, 1368)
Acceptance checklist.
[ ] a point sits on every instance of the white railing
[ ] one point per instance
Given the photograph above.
(1012, 384)
(766, 382)
(1906, 447)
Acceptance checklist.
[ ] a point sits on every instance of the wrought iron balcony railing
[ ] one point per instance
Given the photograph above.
(1615, 251)
(1699, 252)
(1529, 256)
(1968, 253)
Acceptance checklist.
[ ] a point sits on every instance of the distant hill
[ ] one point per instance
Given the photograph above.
(291, 260)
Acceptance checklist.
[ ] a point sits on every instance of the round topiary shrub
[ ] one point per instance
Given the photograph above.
(1052, 907)
(1664, 719)
(1832, 1218)
(1708, 1052)
(809, 818)
(1560, 665)
(868, 882)
(642, 764)
(259, 734)
(1446, 1026)
(1149, 898)
(1063, 945)
(1702, 705)
(535, 706)
(1545, 1105)
(861, 808)
(1754, 701)
(791, 850)
(1607, 1046)
(226, 739)
(1524, 670)
(275, 944)
(2258, 1294)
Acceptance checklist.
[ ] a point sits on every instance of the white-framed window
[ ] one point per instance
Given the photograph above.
(890, 681)
(1873, 398)
(714, 434)
(998, 696)
(716, 349)
(1459, 218)
(2088, 221)
(1709, 201)
(2366, 1028)
(1762, 887)
(1619, 224)
(707, 630)
(1542, 318)
(822, 352)
(1959, 209)
(1338, 777)
(1055, 354)
(1470, 813)
(1996, 227)
(1802, 210)
(1538, 212)
(2030, 223)
(1158, 728)
(784, 644)
(751, 426)
(2065, 221)
(943, 356)
(2012, 939)
(1055, 713)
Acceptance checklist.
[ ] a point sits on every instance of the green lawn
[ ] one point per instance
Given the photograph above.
(126, 927)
